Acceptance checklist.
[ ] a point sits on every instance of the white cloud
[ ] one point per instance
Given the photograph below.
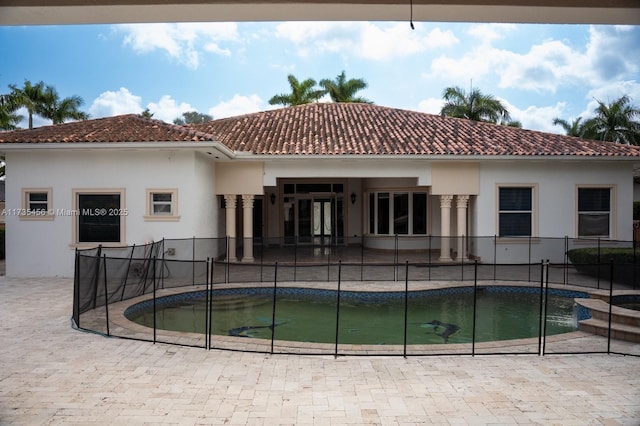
(546, 66)
(431, 105)
(535, 117)
(115, 103)
(362, 39)
(167, 109)
(238, 105)
(181, 41)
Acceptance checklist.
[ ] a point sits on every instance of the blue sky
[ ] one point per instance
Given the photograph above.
(224, 69)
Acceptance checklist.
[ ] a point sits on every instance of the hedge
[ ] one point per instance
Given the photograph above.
(626, 261)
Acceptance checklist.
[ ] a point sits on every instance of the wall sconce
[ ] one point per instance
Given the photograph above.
(353, 198)
(272, 197)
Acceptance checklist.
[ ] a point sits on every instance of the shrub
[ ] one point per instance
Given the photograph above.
(596, 263)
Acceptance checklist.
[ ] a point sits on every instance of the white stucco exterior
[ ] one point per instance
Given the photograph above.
(45, 247)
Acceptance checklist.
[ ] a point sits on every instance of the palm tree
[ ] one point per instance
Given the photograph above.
(29, 96)
(474, 106)
(575, 128)
(301, 93)
(343, 90)
(615, 122)
(58, 110)
(8, 118)
(44, 101)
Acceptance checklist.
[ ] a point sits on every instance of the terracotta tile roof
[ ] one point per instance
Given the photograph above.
(361, 129)
(122, 128)
(331, 129)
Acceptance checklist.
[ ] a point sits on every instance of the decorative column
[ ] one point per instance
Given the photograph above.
(445, 227)
(462, 201)
(230, 214)
(247, 227)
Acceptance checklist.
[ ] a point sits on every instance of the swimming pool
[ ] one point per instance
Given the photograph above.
(377, 318)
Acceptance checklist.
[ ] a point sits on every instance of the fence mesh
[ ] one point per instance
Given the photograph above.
(112, 285)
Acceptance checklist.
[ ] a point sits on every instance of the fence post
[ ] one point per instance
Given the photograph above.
(153, 277)
(335, 353)
(475, 306)
(495, 255)
(396, 256)
(207, 311)
(599, 263)
(96, 277)
(546, 305)
(406, 304)
(126, 277)
(76, 289)
(273, 308)
(611, 267)
(210, 330)
(362, 259)
(540, 316)
(193, 262)
(429, 266)
(566, 260)
(106, 292)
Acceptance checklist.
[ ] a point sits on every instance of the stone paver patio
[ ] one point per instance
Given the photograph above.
(53, 374)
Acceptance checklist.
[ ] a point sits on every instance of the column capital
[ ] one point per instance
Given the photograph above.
(462, 201)
(445, 201)
(230, 201)
(247, 200)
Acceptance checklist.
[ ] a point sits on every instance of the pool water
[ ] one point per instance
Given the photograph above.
(431, 319)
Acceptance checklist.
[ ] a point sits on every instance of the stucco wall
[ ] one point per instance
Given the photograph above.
(555, 214)
(45, 248)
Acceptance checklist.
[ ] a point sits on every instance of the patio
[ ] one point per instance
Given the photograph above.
(52, 374)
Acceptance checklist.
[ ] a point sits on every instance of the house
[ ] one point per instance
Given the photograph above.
(320, 173)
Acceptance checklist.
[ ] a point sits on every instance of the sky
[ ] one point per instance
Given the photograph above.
(225, 69)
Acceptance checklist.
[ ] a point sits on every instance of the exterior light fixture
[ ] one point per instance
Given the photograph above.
(273, 198)
(353, 198)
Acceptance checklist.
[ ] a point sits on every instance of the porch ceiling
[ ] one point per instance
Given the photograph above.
(35, 12)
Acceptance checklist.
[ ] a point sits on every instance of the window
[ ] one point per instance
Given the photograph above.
(162, 204)
(397, 213)
(100, 216)
(36, 204)
(515, 206)
(594, 212)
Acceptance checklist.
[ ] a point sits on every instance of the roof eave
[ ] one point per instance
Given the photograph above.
(431, 157)
(203, 146)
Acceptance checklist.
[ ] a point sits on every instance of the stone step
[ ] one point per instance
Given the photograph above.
(618, 331)
(599, 309)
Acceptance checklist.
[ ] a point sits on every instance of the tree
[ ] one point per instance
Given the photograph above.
(147, 114)
(575, 128)
(42, 100)
(615, 122)
(343, 90)
(60, 110)
(473, 105)
(29, 96)
(192, 117)
(8, 118)
(301, 93)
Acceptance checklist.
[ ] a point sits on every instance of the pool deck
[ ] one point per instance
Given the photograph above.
(53, 374)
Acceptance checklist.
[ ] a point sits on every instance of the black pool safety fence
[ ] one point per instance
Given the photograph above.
(427, 302)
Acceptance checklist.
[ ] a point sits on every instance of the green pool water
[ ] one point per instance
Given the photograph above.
(500, 316)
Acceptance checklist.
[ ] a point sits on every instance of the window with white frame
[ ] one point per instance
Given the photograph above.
(397, 213)
(594, 212)
(162, 204)
(100, 216)
(515, 211)
(36, 203)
